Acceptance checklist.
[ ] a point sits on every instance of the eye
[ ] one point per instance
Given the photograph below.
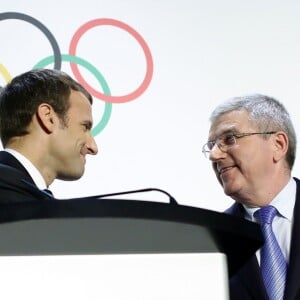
(86, 126)
(210, 144)
(229, 139)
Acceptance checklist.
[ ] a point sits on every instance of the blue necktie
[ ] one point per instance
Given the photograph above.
(273, 265)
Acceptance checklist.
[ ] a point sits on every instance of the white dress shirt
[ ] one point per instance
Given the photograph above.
(283, 221)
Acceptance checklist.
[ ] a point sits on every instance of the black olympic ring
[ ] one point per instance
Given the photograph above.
(43, 28)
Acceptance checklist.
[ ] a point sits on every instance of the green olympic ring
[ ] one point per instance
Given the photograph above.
(75, 59)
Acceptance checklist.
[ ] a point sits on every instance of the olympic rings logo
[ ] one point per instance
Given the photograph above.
(57, 58)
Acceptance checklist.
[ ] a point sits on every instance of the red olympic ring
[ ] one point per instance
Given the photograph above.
(108, 98)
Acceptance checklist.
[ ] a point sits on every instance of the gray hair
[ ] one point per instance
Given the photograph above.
(267, 113)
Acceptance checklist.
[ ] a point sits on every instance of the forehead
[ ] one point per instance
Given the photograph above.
(79, 103)
(234, 121)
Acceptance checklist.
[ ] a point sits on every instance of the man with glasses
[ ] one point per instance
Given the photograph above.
(252, 146)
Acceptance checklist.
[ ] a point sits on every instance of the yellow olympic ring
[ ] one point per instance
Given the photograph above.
(6, 75)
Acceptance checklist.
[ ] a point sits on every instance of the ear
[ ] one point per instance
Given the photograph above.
(281, 144)
(46, 117)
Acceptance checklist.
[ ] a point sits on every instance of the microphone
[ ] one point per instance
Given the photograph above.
(171, 198)
(38, 192)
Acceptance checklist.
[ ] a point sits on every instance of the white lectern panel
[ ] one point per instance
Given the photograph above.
(188, 276)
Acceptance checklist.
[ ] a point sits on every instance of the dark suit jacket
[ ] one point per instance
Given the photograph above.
(247, 283)
(16, 185)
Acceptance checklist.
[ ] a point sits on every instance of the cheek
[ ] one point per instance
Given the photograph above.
(255, 164)
(246, 154)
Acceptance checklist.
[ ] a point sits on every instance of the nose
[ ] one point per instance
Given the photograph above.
(92, 146)
(216, 153)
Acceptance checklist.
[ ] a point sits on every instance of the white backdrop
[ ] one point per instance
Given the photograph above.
(203, 52)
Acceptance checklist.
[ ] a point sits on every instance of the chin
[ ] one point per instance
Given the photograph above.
(70, 176)
(235, 194)
(229, 190)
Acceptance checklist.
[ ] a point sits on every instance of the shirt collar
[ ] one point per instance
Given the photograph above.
(31, 169)
(284, 202)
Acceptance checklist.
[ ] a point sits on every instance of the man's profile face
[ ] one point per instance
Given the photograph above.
(73, 141)
(246, 167)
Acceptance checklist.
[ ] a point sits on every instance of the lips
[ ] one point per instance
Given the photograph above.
(225, 169)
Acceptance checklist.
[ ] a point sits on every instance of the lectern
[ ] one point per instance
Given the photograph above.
(114, 227)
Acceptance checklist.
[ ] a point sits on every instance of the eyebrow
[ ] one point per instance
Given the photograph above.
(231, 130)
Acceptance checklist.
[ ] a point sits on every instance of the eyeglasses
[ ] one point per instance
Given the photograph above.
(227, 141)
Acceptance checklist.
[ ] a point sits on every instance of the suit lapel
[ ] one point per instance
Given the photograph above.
(253, 283)
(293, 281)
(9, 160)
(249, 275)
(15, 181)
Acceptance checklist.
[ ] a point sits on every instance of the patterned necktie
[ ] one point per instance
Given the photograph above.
(273, 265)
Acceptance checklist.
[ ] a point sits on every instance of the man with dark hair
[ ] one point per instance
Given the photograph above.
(45, 129)
(252, 146)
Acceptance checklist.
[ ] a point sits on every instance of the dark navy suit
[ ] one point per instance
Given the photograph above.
(247, 283)
(16, 185)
